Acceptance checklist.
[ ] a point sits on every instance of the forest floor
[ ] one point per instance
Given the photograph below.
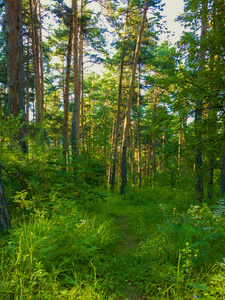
(129, 267)
(160, 252)
(148, 244)
(126, 248)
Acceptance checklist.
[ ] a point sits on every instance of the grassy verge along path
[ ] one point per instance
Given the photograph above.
(150, 244)
(167, 247)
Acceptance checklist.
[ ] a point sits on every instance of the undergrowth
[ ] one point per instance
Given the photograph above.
(149, 244)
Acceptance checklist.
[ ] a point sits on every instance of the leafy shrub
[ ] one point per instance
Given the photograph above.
(184, 245)
(45, 255)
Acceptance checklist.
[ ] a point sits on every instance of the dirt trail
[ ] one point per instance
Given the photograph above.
(127, 242)
(126, 248)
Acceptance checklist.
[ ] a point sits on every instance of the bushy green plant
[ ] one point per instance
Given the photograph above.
(185, 244)
(45, 256)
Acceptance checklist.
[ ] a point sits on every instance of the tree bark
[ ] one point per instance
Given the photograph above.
(132, 153)
(222, 164)
(28, 81)
(198, 113)
(116, 135)
(15, 67)
(41, 61)
(82, 98)
(66, 96)
(214, 61)
(128, 108)
(212, 119)
(163, 145)
(149, 169)
(222, 171)
(36, 58)
(111, 143)
(75, 134)
(154, 135)
(5, 223)
(179, 148)
(81, 73)
(139, 127)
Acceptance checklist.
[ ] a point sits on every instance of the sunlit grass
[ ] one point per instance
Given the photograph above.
(149, 243)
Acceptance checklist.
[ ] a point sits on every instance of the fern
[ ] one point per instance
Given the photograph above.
(220, 208)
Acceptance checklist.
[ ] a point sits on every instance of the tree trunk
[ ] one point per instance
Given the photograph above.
(116, 135)
(36, 58)
(199, 112)
(66, 96)
(183, 160)
(212, 111)
(111, 143)
(15, 67)
(163, 146)
(128, 108)
(149, 170)
(82, 100)
(132, 153)
(179, 148)
(75, 134)
(222, 165)
(5, 223)
(222, 172)
(154, 135)
(139, 126)
(41, 61)
(212, 119)
(28, 82)
(81, 73)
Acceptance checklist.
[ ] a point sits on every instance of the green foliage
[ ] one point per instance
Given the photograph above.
(184, 249)
(50, 256)
(72, 239)
(92, 171)
(152, 242)
(171, 248)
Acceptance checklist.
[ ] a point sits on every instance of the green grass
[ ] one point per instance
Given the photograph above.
(150, 243)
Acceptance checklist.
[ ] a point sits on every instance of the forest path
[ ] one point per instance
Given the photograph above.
(126, 252)
(126, 242)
